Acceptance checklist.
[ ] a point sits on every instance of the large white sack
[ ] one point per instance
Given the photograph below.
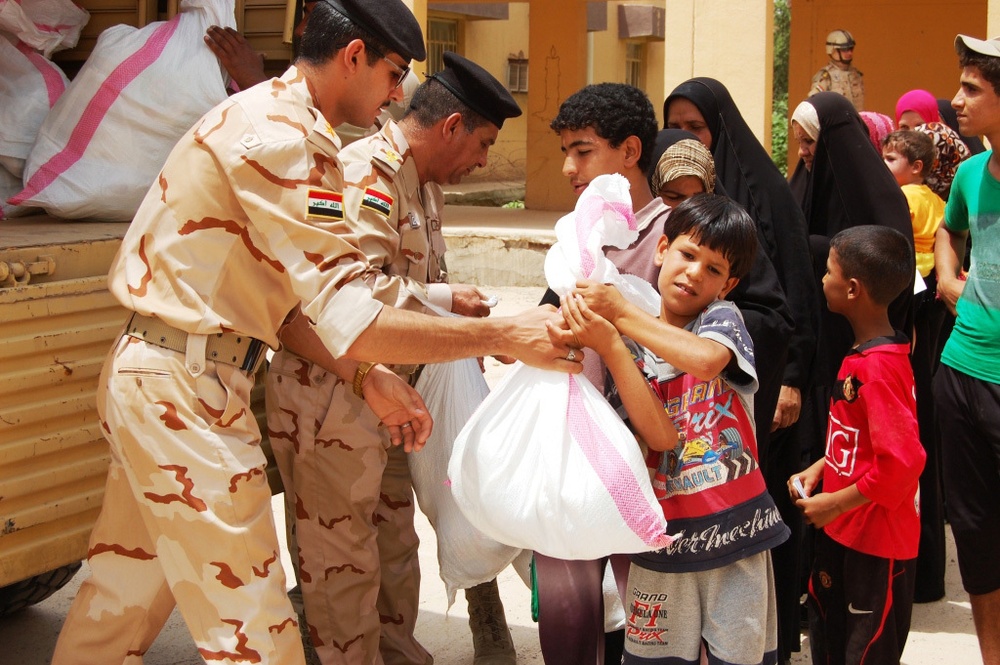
(46, 25)
(466, 556)
(30, 84)
(10, 184)
(106, 139)
(602, 216)
(545, 463)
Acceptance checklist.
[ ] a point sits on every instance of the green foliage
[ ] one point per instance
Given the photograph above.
(518, 205)
(779, 90)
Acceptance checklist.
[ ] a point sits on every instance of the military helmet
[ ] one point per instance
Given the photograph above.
(839, 39)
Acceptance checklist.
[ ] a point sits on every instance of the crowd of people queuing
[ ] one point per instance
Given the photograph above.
(824, 357)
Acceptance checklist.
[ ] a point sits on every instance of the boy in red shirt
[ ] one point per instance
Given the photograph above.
(861, 586)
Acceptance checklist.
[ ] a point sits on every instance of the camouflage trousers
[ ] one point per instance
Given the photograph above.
(186, 518)
(353, 505)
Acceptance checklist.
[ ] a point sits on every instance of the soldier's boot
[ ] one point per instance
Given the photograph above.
(490, 634)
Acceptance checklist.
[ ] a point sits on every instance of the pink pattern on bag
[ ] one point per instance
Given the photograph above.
(53, 82)
(592, 211)
(96, 109)
(613, 471)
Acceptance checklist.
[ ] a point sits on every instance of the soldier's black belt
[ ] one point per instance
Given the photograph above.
(228, 348)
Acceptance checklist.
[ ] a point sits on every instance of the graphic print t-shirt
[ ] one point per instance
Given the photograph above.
(710, 486)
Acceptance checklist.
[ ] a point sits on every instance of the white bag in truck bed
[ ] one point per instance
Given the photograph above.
(103, 144)
(46, 25)
(30, 84)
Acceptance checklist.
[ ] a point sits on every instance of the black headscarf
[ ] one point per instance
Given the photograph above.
(748, 176)
(950, 118)
(849, 185)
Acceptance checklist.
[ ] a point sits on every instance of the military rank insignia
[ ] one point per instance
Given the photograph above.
(377, 201)
(324, 204)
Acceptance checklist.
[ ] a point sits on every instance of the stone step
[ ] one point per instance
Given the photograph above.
(498, 246)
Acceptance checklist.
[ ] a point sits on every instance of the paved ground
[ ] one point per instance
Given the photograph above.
(942, 631)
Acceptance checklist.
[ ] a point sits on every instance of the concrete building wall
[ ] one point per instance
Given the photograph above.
(728, 41)
(490, 43)
(899, 46)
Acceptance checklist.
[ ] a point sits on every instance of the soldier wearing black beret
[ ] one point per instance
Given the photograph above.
(242, 229)
(393, 204)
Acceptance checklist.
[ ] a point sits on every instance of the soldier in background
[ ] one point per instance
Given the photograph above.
(840, 75)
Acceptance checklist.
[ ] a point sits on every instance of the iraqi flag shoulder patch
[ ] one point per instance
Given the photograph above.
(378, 201)
(325, 204)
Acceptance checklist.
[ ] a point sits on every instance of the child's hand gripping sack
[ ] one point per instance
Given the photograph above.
(545, 463)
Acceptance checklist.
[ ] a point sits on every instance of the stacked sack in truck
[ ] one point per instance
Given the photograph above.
(30, 83)
(103, 143)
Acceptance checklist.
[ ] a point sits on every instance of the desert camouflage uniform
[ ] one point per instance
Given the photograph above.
(353, 497)
(848, 82)
(225, 241)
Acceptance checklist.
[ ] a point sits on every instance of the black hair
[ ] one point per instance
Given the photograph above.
(988, 65)
(327, 31)
(879, 257)
(432, 102)
(913, 145)
(720, 224)
(616, 111)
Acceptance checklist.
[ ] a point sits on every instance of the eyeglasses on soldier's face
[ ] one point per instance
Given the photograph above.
(400, 72)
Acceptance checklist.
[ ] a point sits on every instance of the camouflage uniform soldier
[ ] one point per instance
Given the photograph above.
(237, 232)
(840, 75)
(353, 497)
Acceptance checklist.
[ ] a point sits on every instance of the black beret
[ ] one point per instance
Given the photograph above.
(388, 20)
(477, 88)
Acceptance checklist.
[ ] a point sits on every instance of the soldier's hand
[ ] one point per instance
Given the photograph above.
(467, 300)
(237, 57)
(538, 337)
(399, 407)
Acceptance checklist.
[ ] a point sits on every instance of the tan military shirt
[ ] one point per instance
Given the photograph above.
(848, 82)
(397, 222)
(246, 222)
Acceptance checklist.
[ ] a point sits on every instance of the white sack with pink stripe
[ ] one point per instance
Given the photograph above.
(45, 25)
(106, 139)
(545, 463)
(29, 85)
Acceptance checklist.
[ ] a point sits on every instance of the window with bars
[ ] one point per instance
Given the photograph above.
(517, 73)
(635, 63)
(442, 35)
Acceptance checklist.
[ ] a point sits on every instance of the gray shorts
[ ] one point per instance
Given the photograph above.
(730, 609)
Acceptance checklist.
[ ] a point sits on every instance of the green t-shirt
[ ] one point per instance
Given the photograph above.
(974, 206)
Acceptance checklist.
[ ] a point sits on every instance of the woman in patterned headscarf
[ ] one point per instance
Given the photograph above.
(682, 166)
(879, 126)
(918, 110)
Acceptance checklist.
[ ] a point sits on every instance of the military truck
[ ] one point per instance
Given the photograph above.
(59, 321)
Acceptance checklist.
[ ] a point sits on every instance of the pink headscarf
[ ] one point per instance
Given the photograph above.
(921, 101)
(879, 126)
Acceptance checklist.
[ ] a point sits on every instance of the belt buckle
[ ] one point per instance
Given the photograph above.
(253, 355)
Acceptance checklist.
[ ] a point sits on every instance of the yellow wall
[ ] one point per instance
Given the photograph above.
(489, 43)
(728, 41)
(899, 46)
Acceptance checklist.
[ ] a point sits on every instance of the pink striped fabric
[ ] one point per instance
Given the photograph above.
(53, 82)
(97, 108)
(613, 471)
(592, 211)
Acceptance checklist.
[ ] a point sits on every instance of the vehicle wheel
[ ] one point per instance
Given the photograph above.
(17, 596)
